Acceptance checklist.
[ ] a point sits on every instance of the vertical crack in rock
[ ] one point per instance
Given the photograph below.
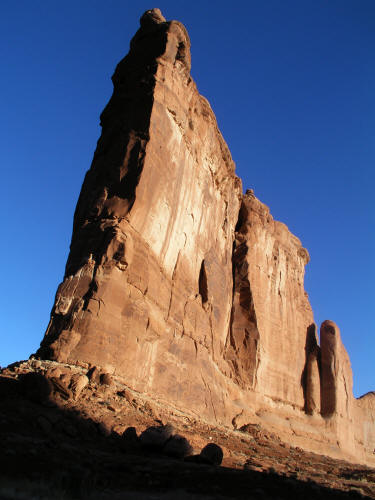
(242, 348)
(174, 278)
(202, 284)
(311, 374)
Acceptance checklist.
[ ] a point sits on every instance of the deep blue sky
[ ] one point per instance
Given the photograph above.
(292, 85)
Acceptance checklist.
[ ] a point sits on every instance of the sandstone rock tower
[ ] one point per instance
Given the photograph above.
(183, 286)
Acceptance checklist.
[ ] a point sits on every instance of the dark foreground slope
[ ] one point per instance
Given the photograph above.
(66, 435)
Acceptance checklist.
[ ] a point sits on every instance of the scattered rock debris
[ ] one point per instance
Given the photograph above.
(56, 417)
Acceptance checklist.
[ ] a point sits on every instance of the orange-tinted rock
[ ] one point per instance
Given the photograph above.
(312, 400)
(182, 289)
(311, 376)
(364, 424)
(271, 312)
(77, 384)
(147, 291)
(337, 380)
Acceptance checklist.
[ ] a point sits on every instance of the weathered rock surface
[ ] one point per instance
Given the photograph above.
(364, 422)
(185, 288)
(337, 380)
(271, 313)
(79, 448)
(148, 282)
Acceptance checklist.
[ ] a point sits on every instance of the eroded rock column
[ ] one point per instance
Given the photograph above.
(336, 379)
(312, 372)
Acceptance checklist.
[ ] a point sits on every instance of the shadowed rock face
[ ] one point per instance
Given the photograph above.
(186, 289)
(311, 381)
(337, 381)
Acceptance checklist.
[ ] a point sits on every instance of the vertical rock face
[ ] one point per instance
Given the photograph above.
(364, 416)
(148, 282)
(337, 380)
(184, 287)
(311, 381)
(271, 312)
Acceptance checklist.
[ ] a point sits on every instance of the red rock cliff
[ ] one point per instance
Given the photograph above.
(148, 285)
(271, 312)
(189, 291)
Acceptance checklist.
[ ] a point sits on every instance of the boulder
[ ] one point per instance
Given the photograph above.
(77, 384)
(212, 453)
(177, 446)
(154, 438)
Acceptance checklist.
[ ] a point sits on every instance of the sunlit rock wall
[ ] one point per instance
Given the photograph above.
(148, 283)
(187, 289)
(271, 312)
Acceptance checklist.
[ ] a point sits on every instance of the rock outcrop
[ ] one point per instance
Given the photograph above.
(185, 288)
(147, 290)
(337, 381)
(271, 313)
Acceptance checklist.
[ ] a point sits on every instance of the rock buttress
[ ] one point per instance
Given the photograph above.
(337, 379)
(271, 313)
(148, 284)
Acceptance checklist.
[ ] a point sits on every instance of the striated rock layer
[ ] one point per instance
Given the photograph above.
(184, 287)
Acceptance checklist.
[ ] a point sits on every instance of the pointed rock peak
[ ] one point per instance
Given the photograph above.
(150, 17)
(157, 37)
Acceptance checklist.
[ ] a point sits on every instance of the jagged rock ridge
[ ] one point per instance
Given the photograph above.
(183, 286)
